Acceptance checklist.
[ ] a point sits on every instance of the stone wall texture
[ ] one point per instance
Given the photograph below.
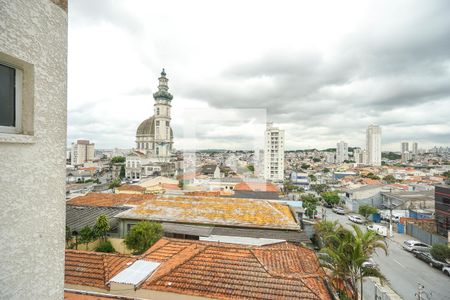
(32, 173)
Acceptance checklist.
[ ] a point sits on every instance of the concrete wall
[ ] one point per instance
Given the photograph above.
(33, 37)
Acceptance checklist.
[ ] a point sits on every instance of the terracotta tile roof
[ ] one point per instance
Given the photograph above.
(93, 268)
(227, 271)
(239, 212)
(256, 186)
(131, 187)
(211, 269)
(169, 186)
(103, 199)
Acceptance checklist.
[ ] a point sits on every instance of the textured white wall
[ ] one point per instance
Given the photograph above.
(32, 169)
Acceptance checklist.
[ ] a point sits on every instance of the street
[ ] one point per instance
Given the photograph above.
(403, 270)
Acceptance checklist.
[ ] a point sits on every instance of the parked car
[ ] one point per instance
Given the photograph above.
(426, 257)
(370, 263)
(412, 245)
(356, 219)
(379, 229)
(327, 205)
(339, 210)
(446, 270)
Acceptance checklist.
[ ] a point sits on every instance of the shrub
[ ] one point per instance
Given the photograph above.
(105, 246)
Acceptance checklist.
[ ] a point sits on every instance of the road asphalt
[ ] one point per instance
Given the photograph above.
(403, 270)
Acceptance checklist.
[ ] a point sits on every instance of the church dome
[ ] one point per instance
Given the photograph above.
(147, 127)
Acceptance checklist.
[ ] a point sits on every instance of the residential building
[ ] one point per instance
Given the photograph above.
(368, 194)
(185, 269)
(405, 147)
(442, 209)
(415, 148)
(33, 110)
(374, 145)
(191, 217)
(357, 155)
(330, 157)
(256, 190)
(407, 156)
(341, 152)
(274, 153)
(82, 151)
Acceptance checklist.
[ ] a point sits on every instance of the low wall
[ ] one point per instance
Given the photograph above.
(119, 246)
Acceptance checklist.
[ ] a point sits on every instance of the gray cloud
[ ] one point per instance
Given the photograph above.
(392, 69)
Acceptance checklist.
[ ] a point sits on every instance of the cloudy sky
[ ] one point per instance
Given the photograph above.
(321, 70)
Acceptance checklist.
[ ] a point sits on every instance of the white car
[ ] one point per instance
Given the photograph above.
(370, 263)
(446, 270)
(412, 245)
(379, 229)
(356, 219)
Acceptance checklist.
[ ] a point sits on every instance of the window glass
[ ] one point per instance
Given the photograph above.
(7, 96)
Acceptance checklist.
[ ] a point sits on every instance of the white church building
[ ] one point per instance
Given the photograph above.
(154, 138)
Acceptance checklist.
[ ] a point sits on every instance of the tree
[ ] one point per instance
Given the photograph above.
(347, 250)
(122, 172)
(319, 188)
(389, 179)
(330, 197)
(69, 236)
(101, 226)
(323, 229)
(288, 186)
(251, 168)
(316, 159)
(446, 174)
(312, 177)
(180, 184)
(367, 210)
(142, 236)
(114, 183)
(304, 166)
(87, 235)
(440, 252)
(309, 204)
(118, 159)
(326, 170)
(371, 176)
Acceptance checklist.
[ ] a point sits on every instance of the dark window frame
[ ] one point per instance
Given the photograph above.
(16, 127)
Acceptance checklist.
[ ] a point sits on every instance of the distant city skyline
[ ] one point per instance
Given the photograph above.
(350, 65)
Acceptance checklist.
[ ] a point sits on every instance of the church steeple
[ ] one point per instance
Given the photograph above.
(162, 93)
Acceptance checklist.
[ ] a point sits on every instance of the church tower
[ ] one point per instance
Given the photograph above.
(154, 136)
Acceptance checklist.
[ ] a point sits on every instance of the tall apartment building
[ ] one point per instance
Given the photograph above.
(415, 148)
(357, 155)
(405, 147)
(373, 135)
(442, 209)
(33, 110)
(82, 151)
(341, 152)
(274, 153)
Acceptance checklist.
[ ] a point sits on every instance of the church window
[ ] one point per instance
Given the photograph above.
(157, 150)
(157, 111)
(167, 123)
(157, 123)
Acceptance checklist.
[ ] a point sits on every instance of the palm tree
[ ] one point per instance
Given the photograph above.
(347, 250)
